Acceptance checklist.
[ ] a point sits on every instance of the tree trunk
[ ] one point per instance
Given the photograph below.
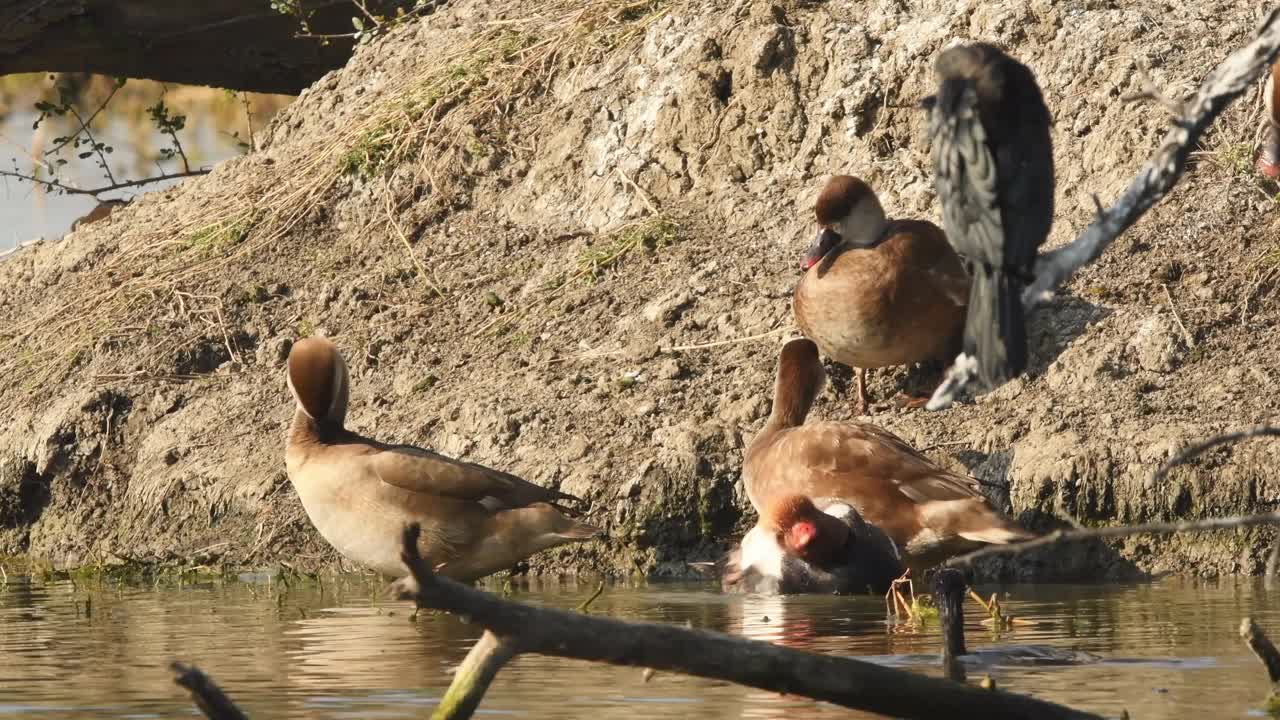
(236, 44)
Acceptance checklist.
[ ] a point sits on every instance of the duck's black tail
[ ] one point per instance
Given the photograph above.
(995, 331)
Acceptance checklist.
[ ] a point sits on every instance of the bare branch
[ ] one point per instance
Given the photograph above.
(55, 185)
(842, 681)
(205, 693)
(1261, 646)
(1150, 91)
(1157, 177)
(1157, 528)
(1228, 81)
(1205, 445)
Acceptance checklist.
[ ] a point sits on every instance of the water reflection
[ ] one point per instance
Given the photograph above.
(338, 649)
(218, 123)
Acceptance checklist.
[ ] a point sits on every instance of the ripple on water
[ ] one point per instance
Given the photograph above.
(339, 650)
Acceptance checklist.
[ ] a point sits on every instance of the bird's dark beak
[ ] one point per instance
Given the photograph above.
(822, 244)
(927, 103)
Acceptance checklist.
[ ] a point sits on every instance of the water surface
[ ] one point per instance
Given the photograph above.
(337, 649)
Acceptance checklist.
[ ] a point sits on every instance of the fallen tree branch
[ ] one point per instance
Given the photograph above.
(1158, 528)
(841, 681)
(1156, 178)
(205, 693)
(1201, 447)
(1261, 646)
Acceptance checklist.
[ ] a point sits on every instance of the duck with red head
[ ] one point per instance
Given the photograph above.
(1269, 153)
(877, 292)
(807, 546)
(928, 512)
(360, 493)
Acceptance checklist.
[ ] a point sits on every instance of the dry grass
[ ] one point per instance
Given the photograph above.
(161, 292)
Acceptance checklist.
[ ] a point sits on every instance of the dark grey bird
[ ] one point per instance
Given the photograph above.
(993, 169)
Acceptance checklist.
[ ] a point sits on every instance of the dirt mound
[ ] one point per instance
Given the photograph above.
(561, 237)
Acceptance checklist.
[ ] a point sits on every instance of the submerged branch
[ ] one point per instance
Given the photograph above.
(473, 677)
(1261, 646)
(1156, 178)
(842, 681)
(205, 693)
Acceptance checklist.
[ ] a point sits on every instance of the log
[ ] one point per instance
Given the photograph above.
(842, 681)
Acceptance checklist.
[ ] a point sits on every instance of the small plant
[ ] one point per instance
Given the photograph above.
(370, 153)
(218, 236)
(652, 234)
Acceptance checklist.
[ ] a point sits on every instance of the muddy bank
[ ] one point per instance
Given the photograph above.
(532, 238)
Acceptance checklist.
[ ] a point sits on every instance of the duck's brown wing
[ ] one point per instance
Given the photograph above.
(423, 471)
(843, 459)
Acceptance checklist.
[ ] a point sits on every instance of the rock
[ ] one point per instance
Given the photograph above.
(667, 308)
(1157, 345)
(274, 352)
(669, 369)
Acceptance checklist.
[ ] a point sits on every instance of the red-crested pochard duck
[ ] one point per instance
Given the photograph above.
(805, 546)
(1269, 153)
(360, 493)
(877, 292)
(929, 513)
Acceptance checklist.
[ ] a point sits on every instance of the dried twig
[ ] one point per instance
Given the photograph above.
(644, 196)
(1157, 528)
(1205, 445)
(839, 680)
(404, 240)
(1228, 81)
(731, 341)
(1186, 336)
(205, 693)
(1150, 91)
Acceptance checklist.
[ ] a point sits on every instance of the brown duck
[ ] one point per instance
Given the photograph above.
(1269, 153)
(928, 512)
(360, 493)
(878, 292)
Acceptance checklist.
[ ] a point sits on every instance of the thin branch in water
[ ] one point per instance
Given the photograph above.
(1157, 177)
(1201, 447)
(838, 680)
(587, 603)
(1058, 537)
(205, 693)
